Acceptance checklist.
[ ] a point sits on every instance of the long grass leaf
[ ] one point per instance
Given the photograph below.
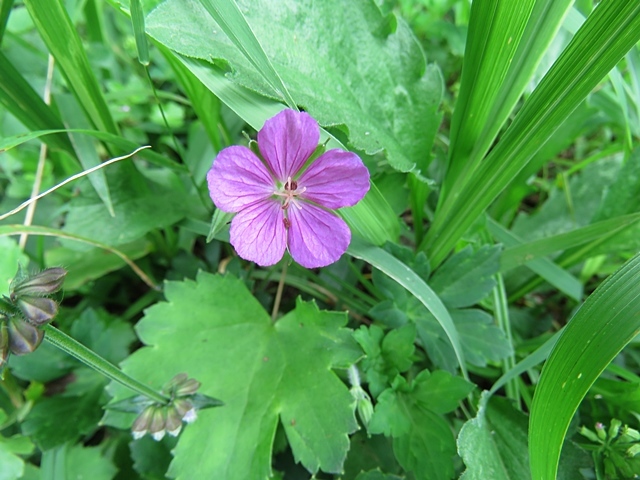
(606, 36)
(608, 320)
(62, 40)
(395, 269)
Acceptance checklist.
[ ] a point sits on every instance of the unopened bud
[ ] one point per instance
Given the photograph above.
(585, 432)
(23, 337)
(173, 424)
(600, 431)
(156, 428)
(363, 404)
(629, 435)
(614, 428)
(44, 283)
(38, 310)
(181, 385)
(142, 422)
(633, 450)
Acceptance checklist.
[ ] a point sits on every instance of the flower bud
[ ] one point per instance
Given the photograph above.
(158, 422)
(585, 432)
(629, 435)
(633, 450)
(600, 431)
(38, 310)
(44, 283)
(23, 337)
(181, 385)
(142, 422)
(363, 404)
(173, 423)
(614, 428)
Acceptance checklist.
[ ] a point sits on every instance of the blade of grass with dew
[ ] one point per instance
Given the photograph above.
(545, 268)
(605, 37)
(24, 103)
(233, 23)
(398, 271)
(606, 322)
(372, 218)
(62, 40)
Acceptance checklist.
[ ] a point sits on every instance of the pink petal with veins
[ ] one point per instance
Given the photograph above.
(238, 178)
(335, 179)
(258, 233)
(317, 238)
(287, 140)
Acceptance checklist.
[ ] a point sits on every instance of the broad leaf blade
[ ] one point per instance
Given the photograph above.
(607, 321)
(389, 102)
(264, 373)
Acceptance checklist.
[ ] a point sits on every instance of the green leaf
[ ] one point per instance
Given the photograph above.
(11, 257)
(262, 371)
(482, 340)
(229, 17)
(608, 33)
(368, 452)
(48, 421)
(605, 323)
(389, 102)
(64, 43)
(422, 440)
(467, 277)
(387, 355)
(84, 266)
(109, 337)
(136, 206)
(75, 462)
(19, 98)
(494, 443)
(377, 475)
(150, 458)
(408, 279)
(10, 449)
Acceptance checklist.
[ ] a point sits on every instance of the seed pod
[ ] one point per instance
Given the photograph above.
(38, 310)
(23, 337)
(44, 283)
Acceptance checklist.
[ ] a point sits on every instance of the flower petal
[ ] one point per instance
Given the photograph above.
(238, 178)
(335, 179)
(287, 140)
(316, 237)
(258, 233)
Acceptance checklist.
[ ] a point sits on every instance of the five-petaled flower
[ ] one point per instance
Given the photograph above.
(280, 201)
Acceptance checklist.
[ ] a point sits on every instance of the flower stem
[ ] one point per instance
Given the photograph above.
(276, 302)
(74, 348)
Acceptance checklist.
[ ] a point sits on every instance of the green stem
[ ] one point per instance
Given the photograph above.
(74, 348)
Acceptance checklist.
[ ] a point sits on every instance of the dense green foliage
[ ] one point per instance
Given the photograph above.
(482, 323)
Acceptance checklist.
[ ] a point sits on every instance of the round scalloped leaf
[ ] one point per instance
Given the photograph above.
(214, 330)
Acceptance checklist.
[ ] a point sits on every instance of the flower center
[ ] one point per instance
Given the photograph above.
(289, 191)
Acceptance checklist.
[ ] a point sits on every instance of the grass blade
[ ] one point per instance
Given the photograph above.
(608, 320)
(406, 277)
(606, 36)
(62, 40)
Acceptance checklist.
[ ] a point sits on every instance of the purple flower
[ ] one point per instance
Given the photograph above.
(280, 201)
